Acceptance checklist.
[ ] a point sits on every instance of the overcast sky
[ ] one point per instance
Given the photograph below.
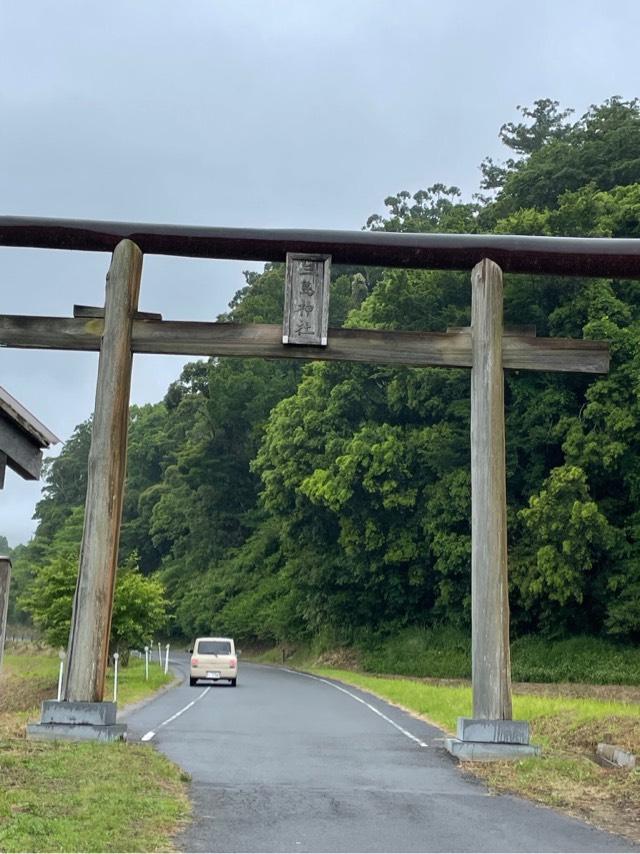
(267, 113)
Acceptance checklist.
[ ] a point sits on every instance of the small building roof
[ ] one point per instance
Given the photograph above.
(16, 412)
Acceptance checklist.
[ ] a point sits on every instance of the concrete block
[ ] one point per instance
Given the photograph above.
(483, 751)
(78, 713)
(493, 731)
(76, 732)
(616, 755)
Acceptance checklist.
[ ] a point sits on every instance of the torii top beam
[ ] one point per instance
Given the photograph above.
(565, 256)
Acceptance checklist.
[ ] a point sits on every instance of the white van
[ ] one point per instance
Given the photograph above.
(214, 658)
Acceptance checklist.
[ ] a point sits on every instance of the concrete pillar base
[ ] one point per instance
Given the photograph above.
(485, 751)
(491, 740)
(76, 721)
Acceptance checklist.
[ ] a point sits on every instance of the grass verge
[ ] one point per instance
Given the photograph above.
(445, 652)
(61, 796)
(568, 728)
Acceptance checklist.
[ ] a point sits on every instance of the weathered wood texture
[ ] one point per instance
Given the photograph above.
(23, 455)
(306, 299)
(520, 331)
(93, 602)
(569, 256)
(420, 349)
(5, 581)
(98, 311)
(489, 589)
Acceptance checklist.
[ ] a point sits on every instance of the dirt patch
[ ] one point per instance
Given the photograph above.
(19, 695)
(343, 658)
(583, 736)
(578, 690)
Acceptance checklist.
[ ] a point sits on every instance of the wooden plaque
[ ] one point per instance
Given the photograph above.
(306, 299)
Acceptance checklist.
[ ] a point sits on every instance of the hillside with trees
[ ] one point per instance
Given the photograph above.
(276, 502)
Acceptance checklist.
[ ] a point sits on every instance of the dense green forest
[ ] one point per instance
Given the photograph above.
(279, 502)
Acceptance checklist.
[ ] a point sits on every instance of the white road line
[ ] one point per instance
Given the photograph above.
(149, 735)
(360, 700)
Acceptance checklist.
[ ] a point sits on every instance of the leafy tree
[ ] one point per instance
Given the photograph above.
(139, 605)
(139, 610)
(568, 535)
(602, 147)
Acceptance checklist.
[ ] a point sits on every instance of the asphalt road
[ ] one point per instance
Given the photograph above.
(288, 762)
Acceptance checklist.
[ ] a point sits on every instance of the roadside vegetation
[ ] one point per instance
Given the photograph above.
(444, 652)
(58, 796)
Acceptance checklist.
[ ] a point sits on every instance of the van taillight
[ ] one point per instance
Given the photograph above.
(232, 662)
(194, 661)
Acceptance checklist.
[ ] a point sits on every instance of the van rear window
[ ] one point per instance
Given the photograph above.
(214, 648)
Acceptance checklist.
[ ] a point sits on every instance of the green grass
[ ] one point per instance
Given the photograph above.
(60, 796)
(445, 652)
(443, 704)
(33, 663)
(87, 797)
(132, 685)
(579, 659)
(439, 704)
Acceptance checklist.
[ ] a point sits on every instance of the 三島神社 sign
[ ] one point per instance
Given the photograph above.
(306, 299)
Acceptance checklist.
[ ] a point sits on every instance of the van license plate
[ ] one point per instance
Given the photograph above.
(213, 674)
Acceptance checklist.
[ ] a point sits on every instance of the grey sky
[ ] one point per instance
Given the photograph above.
(302, 113)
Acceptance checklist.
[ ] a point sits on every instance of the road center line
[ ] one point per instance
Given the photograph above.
(149, 735)
(360, 700)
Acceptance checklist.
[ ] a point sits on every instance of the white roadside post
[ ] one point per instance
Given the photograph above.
(5, 579)
(146, 663)
(61, 655)
(166, 660)
(115, 676)
(159, 655)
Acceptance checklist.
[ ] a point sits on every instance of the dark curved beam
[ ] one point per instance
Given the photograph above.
(565, 256)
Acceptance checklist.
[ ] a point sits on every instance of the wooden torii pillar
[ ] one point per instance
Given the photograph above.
(489, 585)
(88, 649)
(490, 733)
(82, 713)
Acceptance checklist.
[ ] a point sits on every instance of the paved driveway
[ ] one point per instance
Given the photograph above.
(288, 762)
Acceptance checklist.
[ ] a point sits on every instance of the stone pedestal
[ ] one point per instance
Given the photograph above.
(480, 740)
(77, 721)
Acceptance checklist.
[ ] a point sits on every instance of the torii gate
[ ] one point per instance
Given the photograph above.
(118, 330)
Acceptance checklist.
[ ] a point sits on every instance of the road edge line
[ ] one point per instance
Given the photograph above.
(152, 733)
(404, 731)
